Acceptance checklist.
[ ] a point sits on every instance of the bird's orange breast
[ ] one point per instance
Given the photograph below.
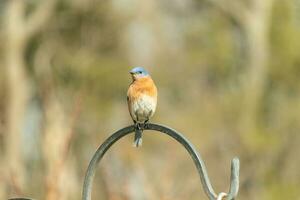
(142, 86)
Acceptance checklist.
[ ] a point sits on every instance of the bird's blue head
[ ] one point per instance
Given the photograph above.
(138, 72)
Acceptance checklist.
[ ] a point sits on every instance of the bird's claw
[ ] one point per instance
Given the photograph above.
(146, 125)
(142, 126)
(138, 126)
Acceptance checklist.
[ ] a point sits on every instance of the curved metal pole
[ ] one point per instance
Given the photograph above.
(88, 181)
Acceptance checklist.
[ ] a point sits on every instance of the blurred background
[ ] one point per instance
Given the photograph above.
(228, 79)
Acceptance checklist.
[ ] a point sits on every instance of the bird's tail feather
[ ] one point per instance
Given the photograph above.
(138, 138)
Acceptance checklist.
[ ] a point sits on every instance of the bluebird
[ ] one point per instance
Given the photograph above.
(142, 100)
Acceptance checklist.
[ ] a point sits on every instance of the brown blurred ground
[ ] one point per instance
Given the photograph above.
(228, 78)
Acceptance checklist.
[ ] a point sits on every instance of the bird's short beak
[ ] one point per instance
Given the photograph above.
(131, 72)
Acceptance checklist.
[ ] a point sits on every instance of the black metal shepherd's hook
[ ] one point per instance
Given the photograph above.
(235, 164)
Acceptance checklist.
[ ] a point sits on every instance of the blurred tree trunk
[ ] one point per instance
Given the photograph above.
(254, 20)
(56, 146)
(60, 177)
(256, 26)
(17, 83)
(18, 31)
(142, 35)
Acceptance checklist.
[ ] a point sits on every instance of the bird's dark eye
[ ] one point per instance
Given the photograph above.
(140, 72)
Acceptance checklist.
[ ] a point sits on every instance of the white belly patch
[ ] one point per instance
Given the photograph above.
(143, 108)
